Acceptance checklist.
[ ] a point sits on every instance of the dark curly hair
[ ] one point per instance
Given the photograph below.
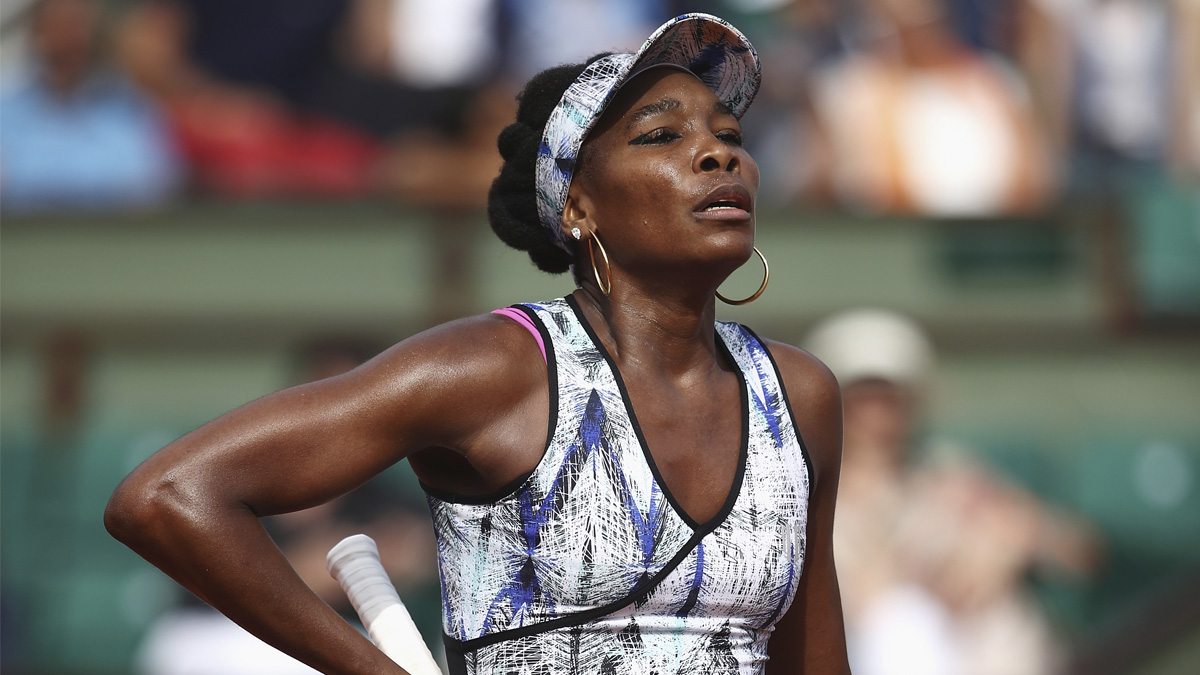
(512, 204)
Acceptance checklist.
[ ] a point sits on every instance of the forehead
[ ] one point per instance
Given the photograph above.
(645, 93)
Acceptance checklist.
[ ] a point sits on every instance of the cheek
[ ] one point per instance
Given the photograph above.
(640, 190)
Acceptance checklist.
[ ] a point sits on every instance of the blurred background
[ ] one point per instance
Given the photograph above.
(984, 215)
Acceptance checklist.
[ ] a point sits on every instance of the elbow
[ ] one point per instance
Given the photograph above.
(123, 512)
(131, 511)
(144, 510)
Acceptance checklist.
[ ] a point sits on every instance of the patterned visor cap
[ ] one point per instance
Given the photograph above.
(713, 50)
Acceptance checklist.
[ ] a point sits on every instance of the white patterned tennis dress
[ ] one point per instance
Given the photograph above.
(588, 565)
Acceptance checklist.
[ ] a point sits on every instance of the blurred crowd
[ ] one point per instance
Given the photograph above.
(965, 109)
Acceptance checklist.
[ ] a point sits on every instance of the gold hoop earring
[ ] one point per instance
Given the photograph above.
(763, 287)
(607, 265)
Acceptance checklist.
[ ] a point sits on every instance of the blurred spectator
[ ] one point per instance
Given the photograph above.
(917, 122)
(230, 77)
(77, 135)
(325, 98)
(1121, 79)
(1120, 82)
(1121, 75)
(931, 552)
(449, 58)
(545, 33)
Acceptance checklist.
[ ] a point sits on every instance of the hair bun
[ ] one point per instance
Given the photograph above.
(515, 138)
(512, 201)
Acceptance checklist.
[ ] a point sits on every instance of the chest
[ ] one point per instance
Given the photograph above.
(693, 438)
(627, 518)
(654, 472)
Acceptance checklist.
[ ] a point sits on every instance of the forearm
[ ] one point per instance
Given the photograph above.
(224, 556)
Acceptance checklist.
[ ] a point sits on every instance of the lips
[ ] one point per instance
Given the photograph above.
(729, 198)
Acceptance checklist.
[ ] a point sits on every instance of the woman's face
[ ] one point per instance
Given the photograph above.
(665, 180)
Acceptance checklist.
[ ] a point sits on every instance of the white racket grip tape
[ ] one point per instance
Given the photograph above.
(355, 563)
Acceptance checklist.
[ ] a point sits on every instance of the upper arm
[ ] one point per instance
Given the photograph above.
(811, 635)
(816, 405)
(307, 444)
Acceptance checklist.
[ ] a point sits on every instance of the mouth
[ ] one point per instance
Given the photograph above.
(722, 204)
(731, 200)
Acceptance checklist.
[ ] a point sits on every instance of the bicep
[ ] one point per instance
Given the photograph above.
(308, 444)
(286, 451)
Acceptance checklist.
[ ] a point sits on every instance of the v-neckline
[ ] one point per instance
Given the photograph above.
(743, 451)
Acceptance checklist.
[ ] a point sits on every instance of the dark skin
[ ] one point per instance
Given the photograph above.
(467, 402)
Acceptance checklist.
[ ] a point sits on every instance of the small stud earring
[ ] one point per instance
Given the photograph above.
(576, 233)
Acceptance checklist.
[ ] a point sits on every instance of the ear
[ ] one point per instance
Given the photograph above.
(577, 213)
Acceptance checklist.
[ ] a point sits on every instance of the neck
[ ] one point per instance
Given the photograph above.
(669, 333)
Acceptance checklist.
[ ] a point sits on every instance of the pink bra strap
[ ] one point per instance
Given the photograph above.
(523, 319)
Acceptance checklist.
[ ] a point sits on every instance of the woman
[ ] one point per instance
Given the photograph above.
(575, 535)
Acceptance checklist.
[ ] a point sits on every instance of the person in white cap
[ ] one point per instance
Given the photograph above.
(619, 483)
(883, 361)
(932, 547)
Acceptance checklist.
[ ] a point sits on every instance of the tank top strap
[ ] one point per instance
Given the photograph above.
(768, 394)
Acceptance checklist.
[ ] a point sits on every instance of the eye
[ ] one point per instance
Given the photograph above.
(657, 137)
(730, 136)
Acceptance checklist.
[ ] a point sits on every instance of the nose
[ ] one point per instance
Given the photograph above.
(717, 155)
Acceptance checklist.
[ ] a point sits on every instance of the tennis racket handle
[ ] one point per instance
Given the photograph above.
(354, 563)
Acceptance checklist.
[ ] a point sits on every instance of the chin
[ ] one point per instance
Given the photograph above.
(736, 244)
(723, 256)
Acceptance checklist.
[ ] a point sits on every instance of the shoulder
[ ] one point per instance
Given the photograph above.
(444, 383)
(473, 351)
(476, 387)
(815, 400)
(804, 375)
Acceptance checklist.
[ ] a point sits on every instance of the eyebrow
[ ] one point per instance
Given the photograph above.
(652, 109)
(668, 104)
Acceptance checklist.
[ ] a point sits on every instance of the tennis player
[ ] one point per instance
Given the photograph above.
(619, 483)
